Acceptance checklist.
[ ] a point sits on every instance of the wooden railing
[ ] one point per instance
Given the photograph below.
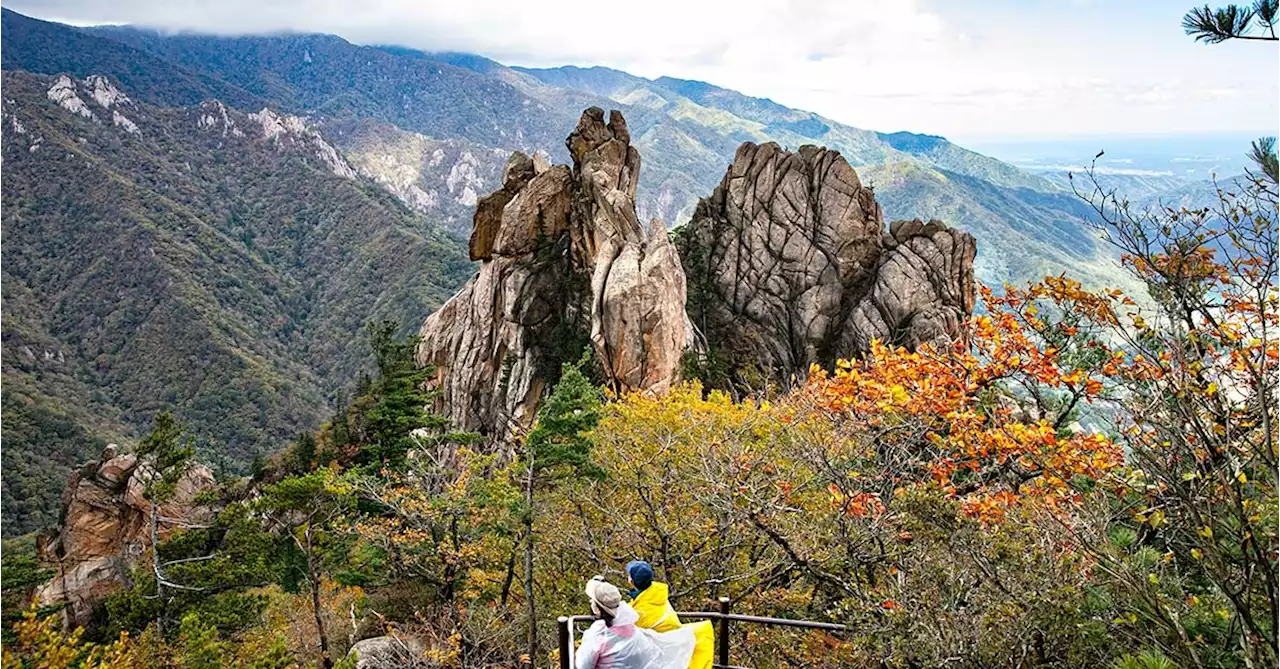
(721, 618)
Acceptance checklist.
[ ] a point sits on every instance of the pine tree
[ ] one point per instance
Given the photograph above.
(168, 454)
(1241, 22)
(558, 447)
(304, 452)
(394, 405)
(306, 509)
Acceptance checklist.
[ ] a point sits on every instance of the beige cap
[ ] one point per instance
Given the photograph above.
(604, 596)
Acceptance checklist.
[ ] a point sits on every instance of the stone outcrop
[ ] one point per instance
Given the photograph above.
(106, 529)
(66, 92)
(922, 292)
(564, 263)
(389, 652)
(789, 265)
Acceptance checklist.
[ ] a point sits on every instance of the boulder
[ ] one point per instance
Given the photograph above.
(388, 652)
(922, 292)
(789, 265)
(106, 529)
(564, 263)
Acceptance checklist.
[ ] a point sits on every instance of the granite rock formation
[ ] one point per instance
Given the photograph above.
(106, 529)
(564, 263)
(789, 265)
(788, 260)
(923, 289)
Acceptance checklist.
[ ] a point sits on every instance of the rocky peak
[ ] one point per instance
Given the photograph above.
(106, 529)
(63, 91)
(105, 93)
(565, 263)
(287, 129)
(214, 116)
(638, 326)
(789, 265)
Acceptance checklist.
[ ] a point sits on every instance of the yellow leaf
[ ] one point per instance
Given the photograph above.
(1212, 389)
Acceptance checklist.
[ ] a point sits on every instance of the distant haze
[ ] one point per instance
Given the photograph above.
(1189, 157)
(980, 69)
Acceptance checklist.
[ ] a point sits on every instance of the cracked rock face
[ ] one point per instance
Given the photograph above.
(789, 266)
(565, 263)
(106, 529)
(922, 292)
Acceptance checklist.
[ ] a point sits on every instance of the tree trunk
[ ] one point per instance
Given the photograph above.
(532, 638)
(511, 575)
(155, 563)
(312, 576)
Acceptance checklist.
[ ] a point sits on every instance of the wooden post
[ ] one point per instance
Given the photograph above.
(564, 642)
(722, 640)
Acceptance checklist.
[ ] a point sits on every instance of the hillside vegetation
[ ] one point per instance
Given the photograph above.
(192, 263)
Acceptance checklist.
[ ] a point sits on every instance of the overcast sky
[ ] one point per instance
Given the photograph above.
(970, 70)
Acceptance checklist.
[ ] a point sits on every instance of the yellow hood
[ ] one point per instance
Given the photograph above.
(655, 609)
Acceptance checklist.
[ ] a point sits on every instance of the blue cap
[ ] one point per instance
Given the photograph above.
(641, 573)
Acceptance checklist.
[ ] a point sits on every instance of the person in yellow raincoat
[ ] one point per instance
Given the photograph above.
(651, 600)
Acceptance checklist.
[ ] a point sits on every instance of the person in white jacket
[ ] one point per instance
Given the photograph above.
(614, 642)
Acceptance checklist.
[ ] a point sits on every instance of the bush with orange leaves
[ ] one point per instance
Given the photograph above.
(990, 423)
(909, 494)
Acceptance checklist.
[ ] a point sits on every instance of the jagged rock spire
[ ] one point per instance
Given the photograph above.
(565, 263)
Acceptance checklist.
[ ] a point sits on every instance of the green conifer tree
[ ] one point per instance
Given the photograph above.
(557, 447)
(307, 511)
(395, 403)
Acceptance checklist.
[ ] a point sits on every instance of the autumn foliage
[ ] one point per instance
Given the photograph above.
(1087, 479)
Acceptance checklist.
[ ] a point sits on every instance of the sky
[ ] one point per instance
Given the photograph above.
(971, 70)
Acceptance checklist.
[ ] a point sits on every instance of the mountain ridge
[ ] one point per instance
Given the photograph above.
(698, 138)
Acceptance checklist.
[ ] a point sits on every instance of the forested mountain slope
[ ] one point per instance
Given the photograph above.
(435, 128)
(198, 258)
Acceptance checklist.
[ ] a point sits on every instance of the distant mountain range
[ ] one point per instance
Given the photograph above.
(206, 223)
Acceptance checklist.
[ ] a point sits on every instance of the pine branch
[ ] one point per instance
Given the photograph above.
(1266, 156)
(1215, 26)
(170, 563)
